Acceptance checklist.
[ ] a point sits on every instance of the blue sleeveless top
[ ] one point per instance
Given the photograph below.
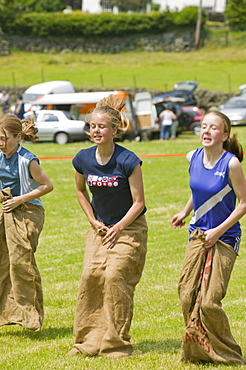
(213, 196)
(14, 173)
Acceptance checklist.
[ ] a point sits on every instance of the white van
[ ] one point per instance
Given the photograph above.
(49, 87)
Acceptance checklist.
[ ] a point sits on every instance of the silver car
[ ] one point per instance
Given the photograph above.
(59, 126)
(235, 109)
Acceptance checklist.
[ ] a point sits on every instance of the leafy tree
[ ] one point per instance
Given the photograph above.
(155, 7)
(32, 5)
(125, 5)
(236, 13)
(75, 4)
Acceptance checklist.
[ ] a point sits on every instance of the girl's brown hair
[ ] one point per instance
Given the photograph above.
(14, 125)
(112, 107)
(231, 144)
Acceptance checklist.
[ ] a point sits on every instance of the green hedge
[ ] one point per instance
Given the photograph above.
(236, 14)
(78, 24)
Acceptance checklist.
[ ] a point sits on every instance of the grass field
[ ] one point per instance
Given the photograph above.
(157, 326)
(215, 68)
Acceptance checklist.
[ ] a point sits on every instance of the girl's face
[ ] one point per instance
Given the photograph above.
(101, 130)
(9, 143)
(212, 131)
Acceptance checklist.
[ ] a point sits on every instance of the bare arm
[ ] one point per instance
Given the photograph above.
(137, 192)
(18, 107)
(238, 183)
(174, 116)
(178, 219)
(45, 187)
(84, 200)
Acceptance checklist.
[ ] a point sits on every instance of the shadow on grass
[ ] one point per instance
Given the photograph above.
(168, 345)
(43, 335)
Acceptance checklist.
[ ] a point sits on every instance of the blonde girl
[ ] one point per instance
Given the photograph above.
(115, 245)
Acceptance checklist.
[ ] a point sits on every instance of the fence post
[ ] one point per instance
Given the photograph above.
(101, 79)
(13, 78)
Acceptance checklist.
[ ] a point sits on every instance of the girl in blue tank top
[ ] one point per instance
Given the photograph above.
(216, 180)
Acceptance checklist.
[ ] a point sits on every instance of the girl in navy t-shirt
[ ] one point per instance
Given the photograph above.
(116, 242)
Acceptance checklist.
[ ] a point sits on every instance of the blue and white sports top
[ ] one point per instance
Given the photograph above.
(14, 173)
(213, 196)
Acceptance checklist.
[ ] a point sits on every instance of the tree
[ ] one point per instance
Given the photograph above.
(75, 4)
(198, 25)
(236, 13)
(32, 5)
(126, 5)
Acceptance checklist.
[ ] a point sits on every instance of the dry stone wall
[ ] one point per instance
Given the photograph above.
(171, 41)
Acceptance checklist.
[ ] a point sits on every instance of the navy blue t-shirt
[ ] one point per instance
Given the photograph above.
(111, 195)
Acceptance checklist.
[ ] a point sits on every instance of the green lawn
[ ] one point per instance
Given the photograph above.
(215, 68)
(157, 326)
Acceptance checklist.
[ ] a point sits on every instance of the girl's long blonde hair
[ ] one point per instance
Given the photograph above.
(112, 107)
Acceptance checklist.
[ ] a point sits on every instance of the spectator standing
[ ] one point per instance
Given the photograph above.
(20, 108)
(166, 117)
(5, 101)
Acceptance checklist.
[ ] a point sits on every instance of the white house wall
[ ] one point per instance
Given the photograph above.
(93, 6)
(217, 5)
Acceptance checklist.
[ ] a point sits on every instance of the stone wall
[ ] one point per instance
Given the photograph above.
(4, 45)
(174, 41)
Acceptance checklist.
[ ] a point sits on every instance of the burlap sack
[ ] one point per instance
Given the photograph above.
(21, 298)
(203, 283)
(105, 298)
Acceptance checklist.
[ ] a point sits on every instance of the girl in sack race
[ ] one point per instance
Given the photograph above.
(23, 182)
(115, 245)
(216, 180)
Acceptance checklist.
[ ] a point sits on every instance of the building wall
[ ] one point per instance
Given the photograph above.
(216, 5)
(93, 6)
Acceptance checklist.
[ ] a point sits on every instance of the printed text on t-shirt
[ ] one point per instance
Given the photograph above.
(110, 181)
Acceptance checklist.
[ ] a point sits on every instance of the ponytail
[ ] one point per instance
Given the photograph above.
(232, 145)
(11, 123)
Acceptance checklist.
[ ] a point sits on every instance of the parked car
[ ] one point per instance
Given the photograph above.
(242, 89)
(182, 95)
(235, 109)
(190, 119)
(182, 101)
(59, 126)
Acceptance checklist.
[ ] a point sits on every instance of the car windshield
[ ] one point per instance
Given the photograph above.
(187, 85)
(236, 104)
